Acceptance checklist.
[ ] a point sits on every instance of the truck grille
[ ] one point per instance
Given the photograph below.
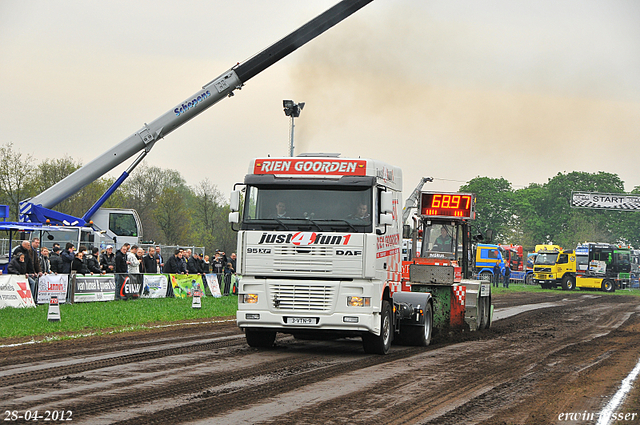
(305, 259)
(542, 269)
(301, 296)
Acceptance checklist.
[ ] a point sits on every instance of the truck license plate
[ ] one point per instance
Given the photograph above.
(301, 321)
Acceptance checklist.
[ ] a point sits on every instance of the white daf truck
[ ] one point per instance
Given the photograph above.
(319, 251)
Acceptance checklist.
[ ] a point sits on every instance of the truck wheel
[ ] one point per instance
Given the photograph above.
(568, 283)
(419, 336)
(529, 279)
(608, 285)
(380, 344)
(260, 339)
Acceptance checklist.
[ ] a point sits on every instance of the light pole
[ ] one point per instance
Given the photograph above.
(292, 110)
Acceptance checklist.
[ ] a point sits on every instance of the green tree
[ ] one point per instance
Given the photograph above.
(494, 207)
(567, 226)
(16, 178)
(172, 217)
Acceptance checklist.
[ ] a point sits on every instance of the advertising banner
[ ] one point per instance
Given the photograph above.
(155, 286)
(128, 286)
(50, 285)
(212, 283)
(185, 284)
(94, 288)
(15, 292)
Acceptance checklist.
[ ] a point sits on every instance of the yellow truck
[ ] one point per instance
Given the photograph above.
(556, 267)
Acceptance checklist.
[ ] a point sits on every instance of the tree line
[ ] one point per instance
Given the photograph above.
(172, 212)
(542, 213)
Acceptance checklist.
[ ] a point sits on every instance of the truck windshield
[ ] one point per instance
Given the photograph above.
(318, 208)
(546, 259)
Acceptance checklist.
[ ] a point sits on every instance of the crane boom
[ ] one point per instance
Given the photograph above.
(412, 200)
(211, 93)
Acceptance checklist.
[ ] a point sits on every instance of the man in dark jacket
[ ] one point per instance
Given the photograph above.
(121, 259)
(30, 257)
(91, 261)
(150, 261)
(108, 260)
(193, 264)
(56, 260)
(173, 264)
(67, 258)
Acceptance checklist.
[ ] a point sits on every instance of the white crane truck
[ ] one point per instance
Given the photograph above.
(124, 225)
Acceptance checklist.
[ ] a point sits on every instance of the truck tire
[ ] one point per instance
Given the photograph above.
(529, 279)
(568, 283)
(260, 339)
(380, 344)
(419, 336)
(608, 285)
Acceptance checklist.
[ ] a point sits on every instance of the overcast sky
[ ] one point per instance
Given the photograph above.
(448, 89)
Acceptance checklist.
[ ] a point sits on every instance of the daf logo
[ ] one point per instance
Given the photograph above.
(348, 252)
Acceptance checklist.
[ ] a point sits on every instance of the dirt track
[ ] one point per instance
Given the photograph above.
(527, 369)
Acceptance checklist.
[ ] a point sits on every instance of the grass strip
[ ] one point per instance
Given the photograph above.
(110, 315)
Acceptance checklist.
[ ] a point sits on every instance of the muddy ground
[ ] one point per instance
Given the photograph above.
(568, 356)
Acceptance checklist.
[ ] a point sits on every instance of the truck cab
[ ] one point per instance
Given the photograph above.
(609, 267)
(486, 257)
(557, 267)
(319, 248)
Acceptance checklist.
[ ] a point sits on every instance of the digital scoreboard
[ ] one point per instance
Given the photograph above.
(443, 204)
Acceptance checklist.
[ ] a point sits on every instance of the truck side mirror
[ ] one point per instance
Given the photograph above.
(235, 201)
(386, 203)
(234, 217)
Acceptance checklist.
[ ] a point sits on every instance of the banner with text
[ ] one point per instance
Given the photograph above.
(128, 286)
(15, 292)
(53, 285)
(607, 201)
(184, 285)
(94, 288)
(155, 286)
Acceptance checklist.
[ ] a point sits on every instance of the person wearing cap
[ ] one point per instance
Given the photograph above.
(55, 261)
(108, 260)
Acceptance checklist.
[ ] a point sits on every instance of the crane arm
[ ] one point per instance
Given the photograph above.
(412, 200)
(210, 94)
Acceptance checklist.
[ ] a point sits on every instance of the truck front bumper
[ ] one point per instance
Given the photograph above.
(309, 322)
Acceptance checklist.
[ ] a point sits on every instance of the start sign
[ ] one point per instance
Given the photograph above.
(607, 201)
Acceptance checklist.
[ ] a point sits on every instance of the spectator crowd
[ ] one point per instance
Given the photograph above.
(31, 260)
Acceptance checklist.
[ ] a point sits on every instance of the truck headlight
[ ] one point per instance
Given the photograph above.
(358, 301)
(250, 298)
